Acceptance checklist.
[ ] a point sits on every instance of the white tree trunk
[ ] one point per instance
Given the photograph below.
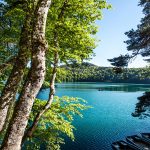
(34, 81)
(11, 87)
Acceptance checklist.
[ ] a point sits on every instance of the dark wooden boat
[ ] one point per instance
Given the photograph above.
(123, 145)
(139, 142)
(146, 136)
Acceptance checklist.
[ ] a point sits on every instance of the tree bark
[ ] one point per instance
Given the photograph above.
(9, 115)
(31, 130)
(13, 138)
(11, 87)
(9, 62)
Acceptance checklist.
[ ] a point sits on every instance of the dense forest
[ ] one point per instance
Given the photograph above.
(87, 72)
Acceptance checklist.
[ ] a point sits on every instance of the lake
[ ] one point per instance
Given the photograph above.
(110, 118)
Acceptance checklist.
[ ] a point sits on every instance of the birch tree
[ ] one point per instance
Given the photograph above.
(13, 138)
(9, 92)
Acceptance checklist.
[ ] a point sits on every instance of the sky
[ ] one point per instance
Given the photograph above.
(125, 15)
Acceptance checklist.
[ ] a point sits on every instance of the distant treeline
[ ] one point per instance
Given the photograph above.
(87, 72)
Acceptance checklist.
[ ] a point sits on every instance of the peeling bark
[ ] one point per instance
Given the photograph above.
(11, 87)
(34, 80)
(31, 130)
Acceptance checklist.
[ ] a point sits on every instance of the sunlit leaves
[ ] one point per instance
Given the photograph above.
(56, 121)
(74, 27)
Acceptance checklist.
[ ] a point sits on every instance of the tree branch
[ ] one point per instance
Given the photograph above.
(9, 62)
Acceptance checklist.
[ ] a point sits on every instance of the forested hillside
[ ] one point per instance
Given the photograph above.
(87, 72)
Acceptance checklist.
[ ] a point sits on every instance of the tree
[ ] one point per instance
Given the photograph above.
(139, 39)
(139, 44)
(55, 123)
(119, 62)
(9, 92)
(75, 27)
(72, 33)
(67, 42)
(142, 109)
(34, 80)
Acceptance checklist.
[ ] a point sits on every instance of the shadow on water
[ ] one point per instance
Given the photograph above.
(142, 109)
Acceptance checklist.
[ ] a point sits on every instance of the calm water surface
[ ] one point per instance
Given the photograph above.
(110, 118)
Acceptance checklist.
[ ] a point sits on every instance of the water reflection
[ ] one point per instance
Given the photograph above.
(131, 88)
(106, 87)
(142, 109)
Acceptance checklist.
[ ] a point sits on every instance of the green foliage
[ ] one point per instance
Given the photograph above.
(62, 75)
(139, 39)
(56, 122)
(1, 84)
(142, 109)
(74, 23)
(87, 72)
(11, 21)
(138, 42)
(121, 61)
(10, 29)
(3, 76)
(45, 84)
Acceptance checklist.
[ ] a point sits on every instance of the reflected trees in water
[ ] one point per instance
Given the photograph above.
(142, 109)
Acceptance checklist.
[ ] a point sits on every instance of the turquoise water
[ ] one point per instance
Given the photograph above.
(110, 118)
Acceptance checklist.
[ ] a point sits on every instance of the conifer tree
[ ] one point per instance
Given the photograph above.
(139, 39)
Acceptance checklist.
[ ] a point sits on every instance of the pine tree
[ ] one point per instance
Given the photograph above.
(139, 39)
